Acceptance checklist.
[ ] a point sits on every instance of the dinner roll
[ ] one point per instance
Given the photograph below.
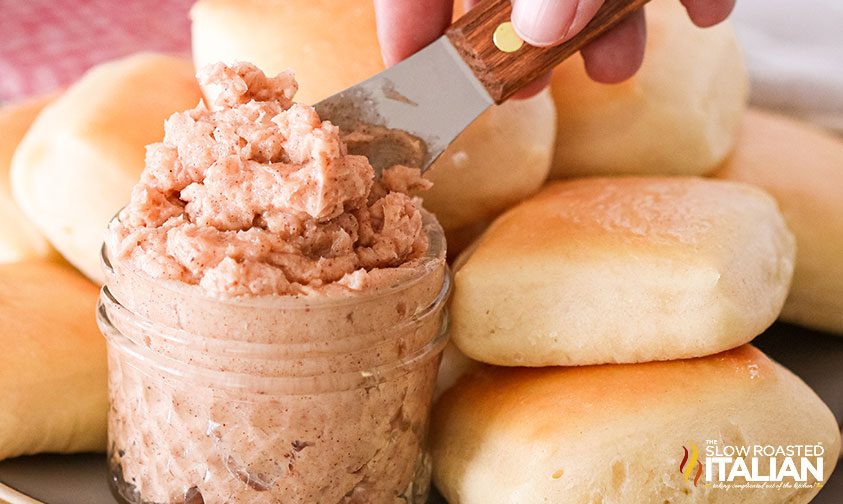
(678, 115)
(503, 157)
(624, 269)
(19, 239)
(618, 433)
(802, 167)
(53, 363)
(76, 166)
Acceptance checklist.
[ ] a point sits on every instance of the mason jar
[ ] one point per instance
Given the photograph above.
(265, 399)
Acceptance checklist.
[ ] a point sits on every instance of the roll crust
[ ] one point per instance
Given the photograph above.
(53, 365)
(623, 269)
(76, 165)
(677, 116)
(615, 433)
(19, 240)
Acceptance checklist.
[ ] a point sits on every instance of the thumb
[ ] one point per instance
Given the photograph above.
(550, 22)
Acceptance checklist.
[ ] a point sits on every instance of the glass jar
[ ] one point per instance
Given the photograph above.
(293, 399)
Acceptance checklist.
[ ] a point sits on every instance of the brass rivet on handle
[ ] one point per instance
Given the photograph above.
(506, 39)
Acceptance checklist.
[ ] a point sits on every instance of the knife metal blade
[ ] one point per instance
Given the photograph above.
(409, 113)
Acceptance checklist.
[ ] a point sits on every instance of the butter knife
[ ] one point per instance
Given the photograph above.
(409, 113)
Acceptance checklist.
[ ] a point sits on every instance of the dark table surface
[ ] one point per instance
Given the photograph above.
(81, 479)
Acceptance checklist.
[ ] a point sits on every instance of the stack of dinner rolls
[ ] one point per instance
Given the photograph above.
(599, 324)
(53, 365)
(635, 296)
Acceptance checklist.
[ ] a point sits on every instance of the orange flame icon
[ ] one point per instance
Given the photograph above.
(689, 461)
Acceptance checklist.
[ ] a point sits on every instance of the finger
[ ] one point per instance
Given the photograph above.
(708, 12)
(405, 26)
(548, 22)
(617, 54)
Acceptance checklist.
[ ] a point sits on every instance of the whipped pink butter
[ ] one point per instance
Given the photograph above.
(257, 195)
(274, 314)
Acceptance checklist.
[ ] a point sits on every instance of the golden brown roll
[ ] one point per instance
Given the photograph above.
(625, 269)
(618, 433)
(76, 166)
(802, 168)
(678, 115)
(19, 239)
(53, 365)
(504, 156)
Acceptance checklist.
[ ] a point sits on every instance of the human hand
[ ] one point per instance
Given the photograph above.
(405, 26)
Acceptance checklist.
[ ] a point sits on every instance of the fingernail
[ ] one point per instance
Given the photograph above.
(543, 22)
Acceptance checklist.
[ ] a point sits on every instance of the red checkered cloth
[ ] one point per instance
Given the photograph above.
(47, 44)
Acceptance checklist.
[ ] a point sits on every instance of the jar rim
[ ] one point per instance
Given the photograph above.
(244, 348)
(429, 263)
(291, 385)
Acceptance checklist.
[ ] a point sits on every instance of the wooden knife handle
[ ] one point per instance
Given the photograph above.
(503, 73)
